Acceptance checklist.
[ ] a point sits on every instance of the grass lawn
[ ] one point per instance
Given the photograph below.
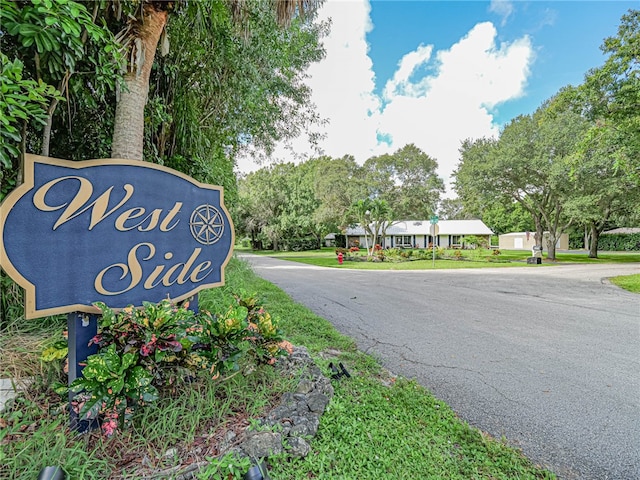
(326, 257)
(628, 282)
(375, 427)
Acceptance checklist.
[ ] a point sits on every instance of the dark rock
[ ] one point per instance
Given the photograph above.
(317, 402)
(298, 447)
(263, 444)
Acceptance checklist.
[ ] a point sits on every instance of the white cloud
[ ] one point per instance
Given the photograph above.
(504, 8)
(472, 77)
(434, 110)
(401, 83)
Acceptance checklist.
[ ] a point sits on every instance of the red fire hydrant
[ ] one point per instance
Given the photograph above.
(340, 258)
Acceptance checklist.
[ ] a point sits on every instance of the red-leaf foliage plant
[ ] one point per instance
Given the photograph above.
(146, 352)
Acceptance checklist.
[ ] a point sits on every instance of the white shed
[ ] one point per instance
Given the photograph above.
(526, 241)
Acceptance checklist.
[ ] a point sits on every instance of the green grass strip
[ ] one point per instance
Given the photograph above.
(628, 282)
(400, 431)
(479, 258)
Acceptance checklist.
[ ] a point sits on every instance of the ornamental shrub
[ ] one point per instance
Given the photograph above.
(149, 351)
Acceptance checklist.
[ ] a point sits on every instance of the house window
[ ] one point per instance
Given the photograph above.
(456, 240)
(403, 241)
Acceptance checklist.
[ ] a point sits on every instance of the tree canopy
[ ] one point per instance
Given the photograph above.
(326, 195)
(228, 76)
(407, 181)
(574, 162)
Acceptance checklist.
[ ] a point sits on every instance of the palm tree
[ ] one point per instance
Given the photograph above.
(375, 217)
(140, 38)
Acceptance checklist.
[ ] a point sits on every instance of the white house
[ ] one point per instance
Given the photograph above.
(417, 234)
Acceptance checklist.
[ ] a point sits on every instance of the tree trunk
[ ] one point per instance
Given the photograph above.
(539, 232)
(595, 236)
(551, 245)
(587, 238)
(46, 134)
(128, 130)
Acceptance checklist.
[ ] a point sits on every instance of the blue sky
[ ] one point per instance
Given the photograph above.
(434, 73)
(565, 35)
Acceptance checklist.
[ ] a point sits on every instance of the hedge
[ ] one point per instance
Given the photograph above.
(619, 242)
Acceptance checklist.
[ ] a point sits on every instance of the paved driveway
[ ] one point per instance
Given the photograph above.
(548, 357)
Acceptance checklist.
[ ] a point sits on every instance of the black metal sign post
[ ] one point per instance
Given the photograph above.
(82, 328)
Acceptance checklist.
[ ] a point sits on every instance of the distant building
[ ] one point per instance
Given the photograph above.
(621, 230)
(417, 234)
(526, 241)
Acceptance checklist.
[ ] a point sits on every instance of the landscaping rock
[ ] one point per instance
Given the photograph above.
(296, 416)
(298, 447)
(262, 444)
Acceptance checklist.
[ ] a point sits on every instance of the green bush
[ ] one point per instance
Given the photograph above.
(341, 240)
(620, 242)
(152, 350)
(576, 242)
(299, 244)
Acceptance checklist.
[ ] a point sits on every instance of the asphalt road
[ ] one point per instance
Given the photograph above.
(546, 357)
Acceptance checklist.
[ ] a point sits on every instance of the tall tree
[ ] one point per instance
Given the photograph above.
(375, 217)
(600, 190)
(507, 217)
(611, 95)
(407, 181)
(528, 165)
(221, 93)
(338, 184)
(453, 209)
(57, 40)
(145, 26)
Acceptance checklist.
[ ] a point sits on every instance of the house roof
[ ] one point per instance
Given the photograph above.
(621, 230)
(421, 227)
(522, 234)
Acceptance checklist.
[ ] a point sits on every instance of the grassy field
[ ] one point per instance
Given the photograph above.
(376, 426)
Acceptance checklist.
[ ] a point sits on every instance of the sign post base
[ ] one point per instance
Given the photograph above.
(82, 328)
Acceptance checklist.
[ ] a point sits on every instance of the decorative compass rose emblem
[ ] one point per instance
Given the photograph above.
(207, 224)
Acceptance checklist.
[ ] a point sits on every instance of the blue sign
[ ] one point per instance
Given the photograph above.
(114, 231)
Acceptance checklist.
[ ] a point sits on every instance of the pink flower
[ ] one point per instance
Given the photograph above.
(109, 427)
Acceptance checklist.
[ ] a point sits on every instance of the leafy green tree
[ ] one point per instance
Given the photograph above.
(453, 209)
(407, 181)
(145, 30)
(22, 100)
(610, 96)
(277, 206)
(529, 164)
(559, 133)
(504, 218)
(600, 192)
(57, 40)
(298, 220)
(222, 93)
(338, 184)
(262, 199)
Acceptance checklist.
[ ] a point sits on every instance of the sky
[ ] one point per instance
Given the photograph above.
(434, 73)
